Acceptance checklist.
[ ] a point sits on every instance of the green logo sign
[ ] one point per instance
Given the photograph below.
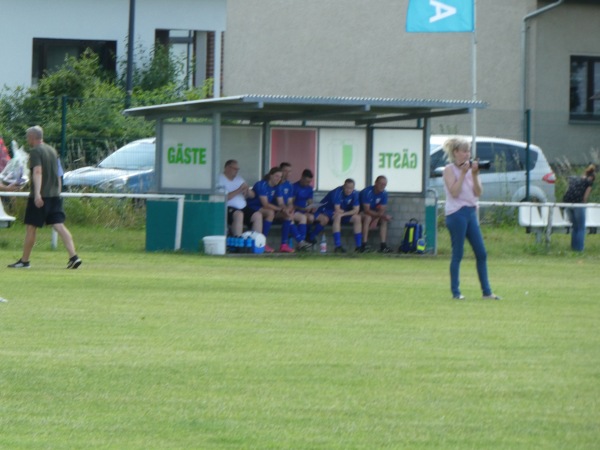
(186, 155)
(398, 160)
(342, 158)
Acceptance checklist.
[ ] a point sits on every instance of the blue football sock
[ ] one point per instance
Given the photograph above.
(337, 238)
(294, 232)
(316, 231)
(285, 231)
(358, 239)
(302, 230)
(267, 227)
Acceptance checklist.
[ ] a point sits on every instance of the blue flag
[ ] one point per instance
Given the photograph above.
(440, 16)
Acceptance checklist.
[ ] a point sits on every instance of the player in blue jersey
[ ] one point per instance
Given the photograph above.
(303, 199)
(264, 201)
(373, 202)
(340, 206)
(285, 200)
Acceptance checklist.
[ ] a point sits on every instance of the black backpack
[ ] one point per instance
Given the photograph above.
(413, 233)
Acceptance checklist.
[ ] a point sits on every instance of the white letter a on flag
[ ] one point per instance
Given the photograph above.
(441, 11)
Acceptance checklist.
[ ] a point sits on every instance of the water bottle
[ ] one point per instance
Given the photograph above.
(248, 244)
(323, 246)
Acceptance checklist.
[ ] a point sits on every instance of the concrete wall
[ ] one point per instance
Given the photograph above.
(360, 48)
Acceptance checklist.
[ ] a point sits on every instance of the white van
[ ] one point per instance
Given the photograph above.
(505, 181)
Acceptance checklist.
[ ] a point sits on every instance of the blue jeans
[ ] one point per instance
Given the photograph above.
(577, 218)
(464, 224)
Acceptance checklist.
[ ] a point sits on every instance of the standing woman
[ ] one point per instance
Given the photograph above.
(463, 188)
(578, 192)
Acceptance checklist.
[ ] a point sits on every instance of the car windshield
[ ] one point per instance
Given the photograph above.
(134, 156)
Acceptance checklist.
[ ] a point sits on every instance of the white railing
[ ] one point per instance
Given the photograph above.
(546, 217)
(178, 222)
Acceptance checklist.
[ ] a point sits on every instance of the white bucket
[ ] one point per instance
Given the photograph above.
(214, 245)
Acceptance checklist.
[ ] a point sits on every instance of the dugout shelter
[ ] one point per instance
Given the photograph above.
(335, 137)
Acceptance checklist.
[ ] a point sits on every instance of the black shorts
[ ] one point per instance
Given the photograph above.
(49, 214)
(248, 212)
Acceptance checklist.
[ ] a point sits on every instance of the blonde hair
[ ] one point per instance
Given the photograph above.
(590, 170)
(452, 144)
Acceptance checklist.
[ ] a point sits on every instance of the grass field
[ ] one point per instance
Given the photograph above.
(141, 350)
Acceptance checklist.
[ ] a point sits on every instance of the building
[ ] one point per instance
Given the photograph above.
(361, 48)
(536, 55)
(37, 35)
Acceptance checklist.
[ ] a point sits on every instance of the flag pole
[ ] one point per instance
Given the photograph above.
(474, 80)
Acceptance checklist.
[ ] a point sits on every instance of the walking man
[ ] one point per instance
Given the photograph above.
(44, 205)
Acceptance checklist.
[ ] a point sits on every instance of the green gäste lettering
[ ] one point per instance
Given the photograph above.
(398, 160)
(186, 155)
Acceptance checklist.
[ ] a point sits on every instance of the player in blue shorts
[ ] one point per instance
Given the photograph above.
(339, 206)
(265, 192)
(285, 199)
(373, 202)
(303, 199)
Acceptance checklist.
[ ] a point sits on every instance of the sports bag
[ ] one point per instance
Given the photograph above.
(413, 241)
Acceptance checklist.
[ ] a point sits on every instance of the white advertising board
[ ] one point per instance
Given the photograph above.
(186, 157)
(342, 154)
(398, 154)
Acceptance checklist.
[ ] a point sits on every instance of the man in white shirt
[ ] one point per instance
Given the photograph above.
(238, 191)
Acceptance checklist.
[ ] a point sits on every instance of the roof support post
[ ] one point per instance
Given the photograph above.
(266, 145)
(369, 156)
(216, 147)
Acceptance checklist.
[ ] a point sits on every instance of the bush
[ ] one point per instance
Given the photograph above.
(111, 213)
(92, 121)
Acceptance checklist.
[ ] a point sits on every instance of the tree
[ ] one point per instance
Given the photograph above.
(94, 101)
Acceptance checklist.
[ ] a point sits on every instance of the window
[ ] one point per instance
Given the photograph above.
(50, 54)
(195, 49)
(585, 88)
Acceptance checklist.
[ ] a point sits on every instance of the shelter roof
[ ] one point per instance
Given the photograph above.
(276, 108)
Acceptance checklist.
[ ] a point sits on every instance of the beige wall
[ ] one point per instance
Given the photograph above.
(563, 33)
(360, 48)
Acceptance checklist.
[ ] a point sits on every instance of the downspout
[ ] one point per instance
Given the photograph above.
(529, 16)
(526, 115)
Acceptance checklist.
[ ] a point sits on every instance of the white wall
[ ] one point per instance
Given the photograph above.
(22, 21)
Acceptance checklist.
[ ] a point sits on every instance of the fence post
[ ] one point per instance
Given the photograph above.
(63, 128)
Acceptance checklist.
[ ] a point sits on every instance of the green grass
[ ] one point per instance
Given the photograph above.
(144, 350)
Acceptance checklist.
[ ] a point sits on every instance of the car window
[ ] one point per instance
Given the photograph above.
(437, 159)
(533, 156)
(515, 157)
(485, 152)
(507, 158)
(134, 156)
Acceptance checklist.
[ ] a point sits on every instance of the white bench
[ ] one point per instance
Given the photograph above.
(533, 217)
(5, 220)
(553, 218)
(592, 220)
